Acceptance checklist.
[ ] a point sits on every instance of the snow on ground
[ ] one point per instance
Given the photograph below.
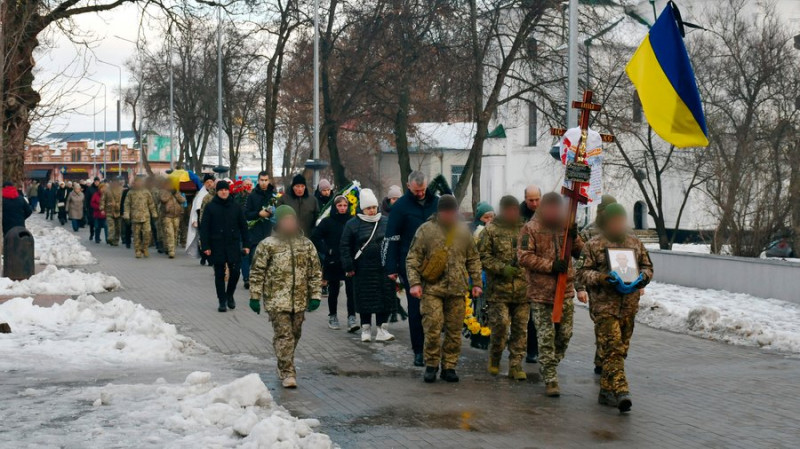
(57, 246)
(59, 281)
(694, 248)
(734, 318)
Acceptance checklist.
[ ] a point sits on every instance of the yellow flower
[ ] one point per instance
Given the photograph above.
(474, 327)
(469, 311)
(485, 331)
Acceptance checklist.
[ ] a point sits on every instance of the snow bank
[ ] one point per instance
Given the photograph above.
(85, 333)
(60, 281)
(55, 245)
(734, 318)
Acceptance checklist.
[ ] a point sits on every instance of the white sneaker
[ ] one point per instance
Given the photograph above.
(383, 334)
(366, 334)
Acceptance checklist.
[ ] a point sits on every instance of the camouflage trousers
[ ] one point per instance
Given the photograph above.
(502, 318)
(614, 339)
(442, 314)
(169, 233)
(114, 230)
(286, 327)
(141, 237)
(553, 338)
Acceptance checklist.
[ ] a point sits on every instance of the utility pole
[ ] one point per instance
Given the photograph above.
(315, 149)
(219, 86)
(171, 102)
(572, 63)
(119, 119)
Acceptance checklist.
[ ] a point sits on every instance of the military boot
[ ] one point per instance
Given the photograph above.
(494, 365)
(430, 374)
(607, 398)
(517, 373)
(624, 403)
(223, 306)
(551, 390)
(449, 375)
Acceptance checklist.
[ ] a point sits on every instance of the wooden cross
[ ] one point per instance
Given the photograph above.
(575, 196)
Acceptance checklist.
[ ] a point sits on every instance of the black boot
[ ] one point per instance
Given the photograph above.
(430, 374)
(624, 403)
(449, 375)
(607, 398)
(247, 284)
(418, 361)
(231, 302)
(223, 307)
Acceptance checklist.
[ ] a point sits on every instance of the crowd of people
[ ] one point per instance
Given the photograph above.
(290, 256)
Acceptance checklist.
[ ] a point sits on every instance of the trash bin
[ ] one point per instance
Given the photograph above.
(18, 254)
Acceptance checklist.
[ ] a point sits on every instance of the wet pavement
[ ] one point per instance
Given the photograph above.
(687, 392)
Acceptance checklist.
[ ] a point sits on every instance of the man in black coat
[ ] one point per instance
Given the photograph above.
(408, 214)
(258, 208)
(305, 205)
(15, 208)
(533, 196)
(223, 239)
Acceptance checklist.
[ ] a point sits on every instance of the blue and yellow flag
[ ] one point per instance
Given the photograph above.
(664, 78)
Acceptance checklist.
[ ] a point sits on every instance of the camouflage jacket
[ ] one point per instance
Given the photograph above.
(593, 268)
(139, 206)
(587, 234)
(285, 273)
(463, 261)
(171, 203)
(206, 199)
(111, 202)
(539, 246)
(155, 192)
(498, 249)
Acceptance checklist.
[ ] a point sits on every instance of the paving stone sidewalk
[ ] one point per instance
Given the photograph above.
(688, 392)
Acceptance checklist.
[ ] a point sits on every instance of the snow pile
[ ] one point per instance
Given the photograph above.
(734, 318)
(85, 333)
(56, 245)
(59, 281)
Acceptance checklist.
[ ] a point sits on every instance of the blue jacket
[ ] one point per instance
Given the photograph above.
(406, 217)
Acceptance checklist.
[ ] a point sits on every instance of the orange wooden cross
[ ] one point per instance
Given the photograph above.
(574, 194)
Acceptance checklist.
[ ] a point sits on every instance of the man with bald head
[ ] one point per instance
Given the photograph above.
(532, 196)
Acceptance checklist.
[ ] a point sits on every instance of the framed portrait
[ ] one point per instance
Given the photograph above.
(623, 261)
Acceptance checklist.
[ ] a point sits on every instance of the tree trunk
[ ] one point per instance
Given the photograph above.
(794, 198)
(401, 131)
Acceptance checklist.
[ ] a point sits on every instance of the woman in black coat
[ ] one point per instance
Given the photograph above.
(61, 203)
(327, 237)
(362, 260)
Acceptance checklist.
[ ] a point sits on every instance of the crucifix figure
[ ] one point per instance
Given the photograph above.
(578, 172)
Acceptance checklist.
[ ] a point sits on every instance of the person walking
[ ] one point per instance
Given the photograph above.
(484, 214)
(139, 209)
(47, 199)
(88, 193)
(192, 236)
(171, 202)
(539, 253)
(15, 209)
(362, 243)
(286, 278)
(440, 262)
(324, 193)
(305, 205)
(33, 194)
(532, 196)
(258, 211)
(76, 206)
(613, 303)
(394, 194)
(127, 233)
(408, 214)
(223, 239)
(111, 203)
(62, 194)
(98, 213)
(327, 237)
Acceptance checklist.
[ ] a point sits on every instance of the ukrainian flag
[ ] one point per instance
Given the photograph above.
(664, 78)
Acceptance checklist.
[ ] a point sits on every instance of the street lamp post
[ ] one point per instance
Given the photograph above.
(219, 87)
(171, 102)
(315, 149)
(119, 118)
(572, 63)
(105, 108)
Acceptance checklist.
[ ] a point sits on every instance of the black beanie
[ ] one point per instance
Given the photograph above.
(298, 179)
(208, 177)
(223, 185)
(508, 201)
(447, 203)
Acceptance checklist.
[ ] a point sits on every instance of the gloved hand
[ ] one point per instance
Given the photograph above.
(510, 272)
(313, 304)
(559, 266)
(638, 282)
(573, 231)
(627, 289)
(255, 305)
(612, 280)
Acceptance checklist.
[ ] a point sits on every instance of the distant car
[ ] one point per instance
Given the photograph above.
(781, 248)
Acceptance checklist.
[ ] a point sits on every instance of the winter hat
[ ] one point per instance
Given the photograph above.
(552, 198)
(324, 184)
(614, 210)
(395, 192)
(605, 202)
(367, 199)
(447, 203)
(223, 185)
(208, 177)
(482, 209)
(509, 201)
(298, 179)
(284, 211)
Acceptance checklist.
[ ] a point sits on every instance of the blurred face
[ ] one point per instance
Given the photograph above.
(325, 192)
(392, 201)
(510, 214)
(299, 189)
(448, 217)
(263, 182)
(552, 214)
(224, 193)
(418, 190)
(615, 226)
(371, 210)
(342, 207)
(622, 260)
(487, 217)
(209, 184)
(288, 225)
(76, 187)
(532, 198)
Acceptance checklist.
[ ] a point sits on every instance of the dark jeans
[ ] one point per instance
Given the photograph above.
(334, 287)
(533, 341)
(50, 212)
(76, 224)
(100, 224)
(247, 260)
(414, 320)
(34, 203)
(127, 230)
(224, 292)
(380, 318)
(90, 220)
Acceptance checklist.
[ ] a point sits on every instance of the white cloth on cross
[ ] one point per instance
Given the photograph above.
(594, 158)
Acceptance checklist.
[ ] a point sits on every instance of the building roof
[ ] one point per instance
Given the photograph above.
(438, 136)
(59, 140)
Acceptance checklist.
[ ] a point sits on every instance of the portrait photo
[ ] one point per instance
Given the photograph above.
(623, 261)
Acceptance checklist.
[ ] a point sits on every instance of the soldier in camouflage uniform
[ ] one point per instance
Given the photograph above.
(110, 203)
(587, 234)
(442, 301)
(153, 184)
(286, 276)
(509, 307)
(613, 304)
(539, 254)
(171, 210)
(139, 209)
